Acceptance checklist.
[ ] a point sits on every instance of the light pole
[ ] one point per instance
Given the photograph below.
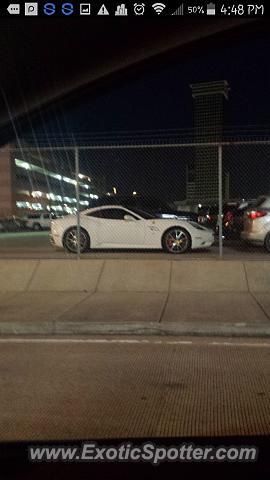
(78, 203)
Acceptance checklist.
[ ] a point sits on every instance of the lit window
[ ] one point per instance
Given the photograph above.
(23, 204)
(36, 206)
(69, 180)
(21, 164)
(37, 194)
(57, 208)
(51, 196)
(55, 175)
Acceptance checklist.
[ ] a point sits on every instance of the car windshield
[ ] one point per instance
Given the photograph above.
(260, 201)
(158, 206)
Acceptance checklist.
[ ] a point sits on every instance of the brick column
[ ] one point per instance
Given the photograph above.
(6, 182)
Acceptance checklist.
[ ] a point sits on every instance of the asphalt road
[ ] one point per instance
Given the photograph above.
(124, 387)
(37, 245)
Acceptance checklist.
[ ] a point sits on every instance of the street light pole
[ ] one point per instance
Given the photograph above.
(220, 203)
(77, 167)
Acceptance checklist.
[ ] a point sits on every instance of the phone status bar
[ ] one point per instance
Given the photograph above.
(132, 9)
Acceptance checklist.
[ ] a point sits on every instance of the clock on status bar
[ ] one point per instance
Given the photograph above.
(241, 9)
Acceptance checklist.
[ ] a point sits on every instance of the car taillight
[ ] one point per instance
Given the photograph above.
(256, 214)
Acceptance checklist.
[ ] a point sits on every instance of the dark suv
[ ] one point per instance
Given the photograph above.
(232, 217)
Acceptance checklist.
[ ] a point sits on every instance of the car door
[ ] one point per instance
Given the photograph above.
(116, 231)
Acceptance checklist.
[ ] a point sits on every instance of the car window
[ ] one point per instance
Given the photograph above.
(110, 214)
(46, 215)
(116, 214)
(96, 214)
(143, 214)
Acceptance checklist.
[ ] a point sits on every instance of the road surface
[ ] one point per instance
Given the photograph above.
(91, 387)
(37, 245)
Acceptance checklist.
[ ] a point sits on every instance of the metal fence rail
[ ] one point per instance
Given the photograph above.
(63, 179)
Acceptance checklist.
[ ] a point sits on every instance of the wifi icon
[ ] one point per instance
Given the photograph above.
(158, 7)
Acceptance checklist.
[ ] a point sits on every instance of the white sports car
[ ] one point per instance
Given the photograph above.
(118, 227)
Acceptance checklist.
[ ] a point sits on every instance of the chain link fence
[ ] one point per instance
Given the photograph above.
(215, 184)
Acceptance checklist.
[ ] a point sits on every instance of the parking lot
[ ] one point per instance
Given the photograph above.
(37, 245)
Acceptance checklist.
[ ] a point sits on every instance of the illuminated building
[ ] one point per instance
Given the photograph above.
(31, 180)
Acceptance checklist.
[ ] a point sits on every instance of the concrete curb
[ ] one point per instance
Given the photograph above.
(179, 329)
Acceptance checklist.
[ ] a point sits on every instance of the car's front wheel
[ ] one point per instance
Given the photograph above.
(267, 242)
(70, 240)
(176, 240)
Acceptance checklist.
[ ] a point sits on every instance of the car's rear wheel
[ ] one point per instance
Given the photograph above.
(267, 242)
(176, 240)
(70, 240)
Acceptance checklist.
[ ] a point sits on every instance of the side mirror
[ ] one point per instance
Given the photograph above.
(129, 218)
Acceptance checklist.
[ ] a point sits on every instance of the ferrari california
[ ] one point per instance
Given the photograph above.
(117, 227)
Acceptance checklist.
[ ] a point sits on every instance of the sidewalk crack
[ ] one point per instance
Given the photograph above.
(32, 276)
(100, 275)
(167, 296)
(254, 296)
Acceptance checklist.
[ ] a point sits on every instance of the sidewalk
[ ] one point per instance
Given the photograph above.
(135, 297)
(190, 313)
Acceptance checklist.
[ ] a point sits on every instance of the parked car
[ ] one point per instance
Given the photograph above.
(232, 217)
(208, 216)
(39, 221)
(159, 208)
(114, 226)
(12, 224)
(257, 223)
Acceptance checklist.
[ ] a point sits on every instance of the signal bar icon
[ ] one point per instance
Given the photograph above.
(158, 7)
(179, 10)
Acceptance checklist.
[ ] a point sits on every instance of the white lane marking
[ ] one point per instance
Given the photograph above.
(86, 340)
(132, 341)
(239, 344)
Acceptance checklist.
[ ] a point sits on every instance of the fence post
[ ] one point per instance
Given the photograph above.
(220, 203)
(77, 170)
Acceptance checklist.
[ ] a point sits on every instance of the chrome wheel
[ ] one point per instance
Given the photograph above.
(71, 240)
(176, 240)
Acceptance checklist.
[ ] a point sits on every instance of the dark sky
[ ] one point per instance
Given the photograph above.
(160, 98)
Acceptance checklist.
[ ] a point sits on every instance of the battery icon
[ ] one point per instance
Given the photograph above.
(211, 9)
